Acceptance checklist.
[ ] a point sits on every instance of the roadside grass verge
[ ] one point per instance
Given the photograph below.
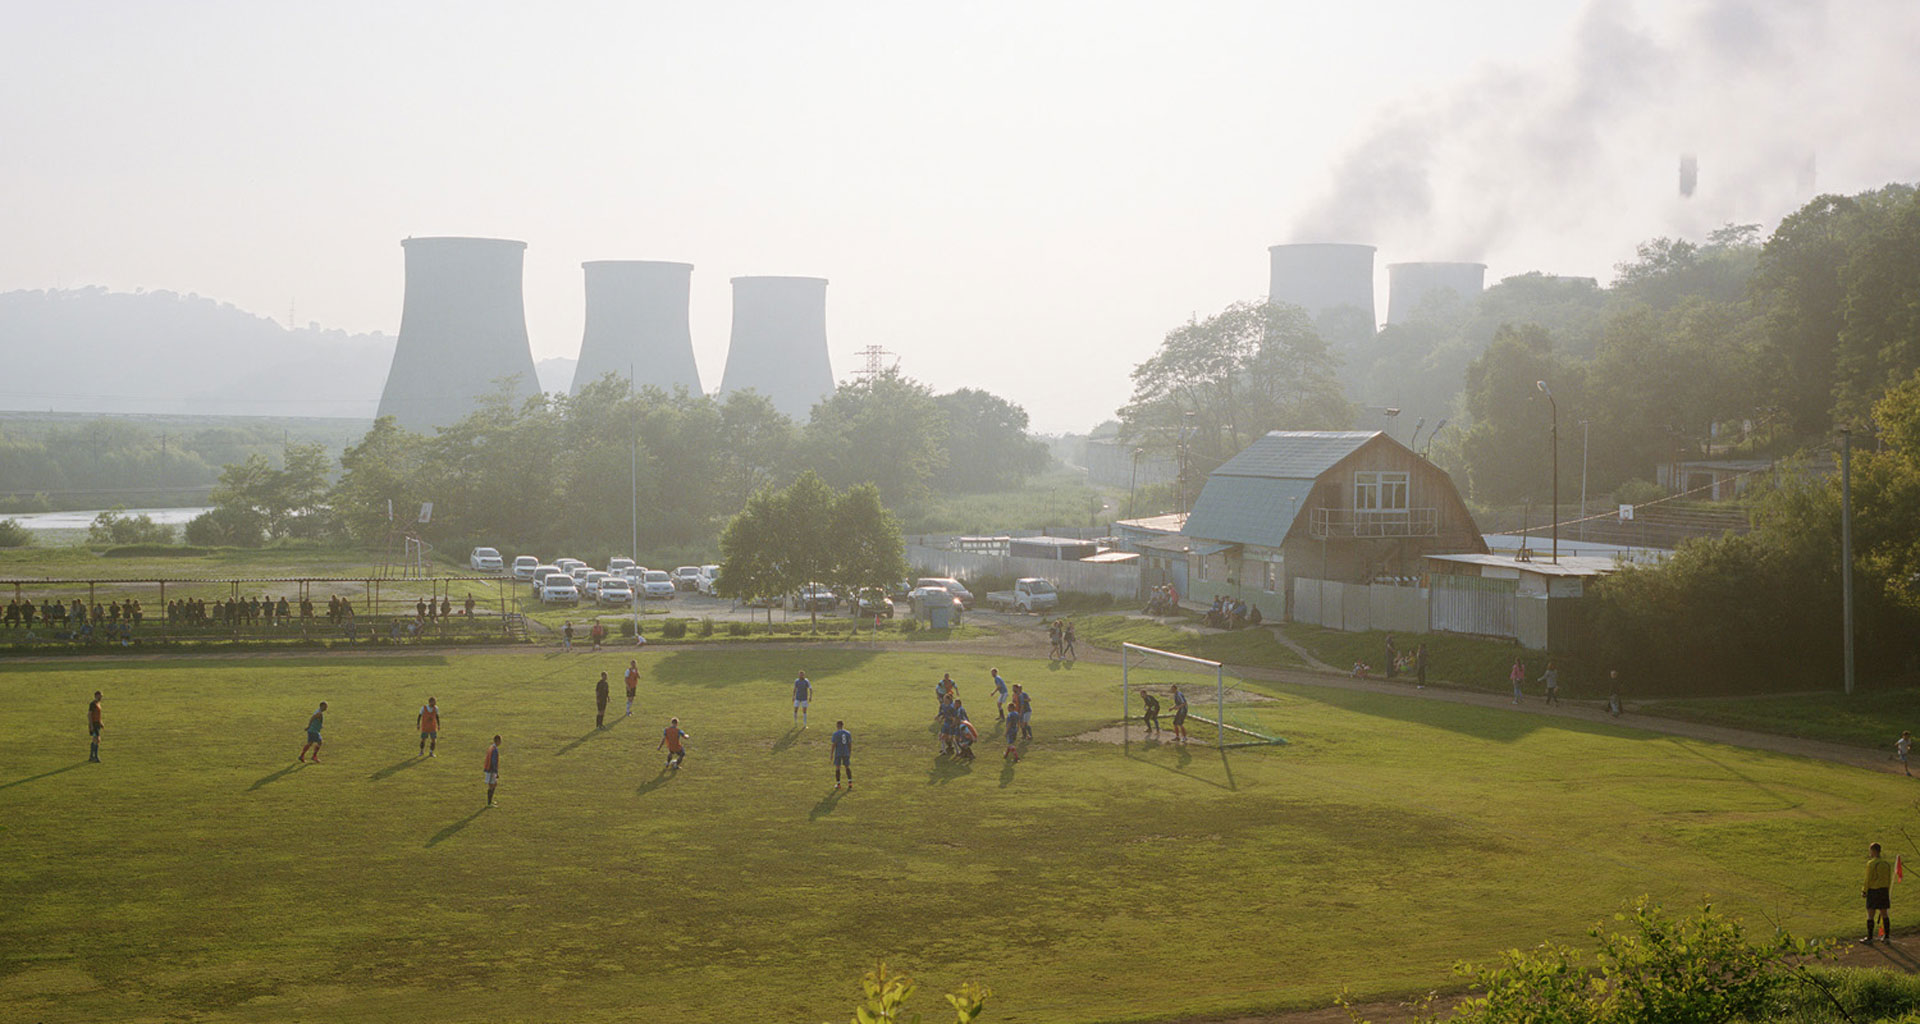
(1868, 718)
(1255, 647)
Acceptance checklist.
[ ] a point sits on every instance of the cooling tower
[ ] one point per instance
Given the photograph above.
(1322, 277)
(1409, 285)
(463, 327)
(637, 322)
(779, 345)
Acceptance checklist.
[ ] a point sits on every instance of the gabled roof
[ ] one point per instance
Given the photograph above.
(1295, 454)
(1254, 497)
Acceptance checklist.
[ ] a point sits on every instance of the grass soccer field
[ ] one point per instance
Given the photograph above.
(199, 873)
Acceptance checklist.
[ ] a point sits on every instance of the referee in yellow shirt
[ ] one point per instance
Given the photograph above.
(1879, 880)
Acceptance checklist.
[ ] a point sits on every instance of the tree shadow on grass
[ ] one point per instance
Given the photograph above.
(454, 829)
(946, 769)
(825, 806)
(42, 775)
(394, 769)
(269, 779)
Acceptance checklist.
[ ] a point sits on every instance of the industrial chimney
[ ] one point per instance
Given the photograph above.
(637, 323)
(1332, 281)
(462, 328)
(779, 344)
(1410, 284)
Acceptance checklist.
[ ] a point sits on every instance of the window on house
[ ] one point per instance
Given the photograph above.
(1380, 492)
(1201, 569)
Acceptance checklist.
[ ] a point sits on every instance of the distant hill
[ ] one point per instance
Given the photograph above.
(93, 350)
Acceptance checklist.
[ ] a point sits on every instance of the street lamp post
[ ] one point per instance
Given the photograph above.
(1555, 406)
(1846, 553)
(1132, 479)
(1584, 428)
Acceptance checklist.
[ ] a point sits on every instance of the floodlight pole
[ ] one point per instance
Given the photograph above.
(1846, 551)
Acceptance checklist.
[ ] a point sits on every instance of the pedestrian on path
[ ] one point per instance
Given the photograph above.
(1901, 747)
(1551, 677)
(1517, 676)
(566, 636)
(1420, 667)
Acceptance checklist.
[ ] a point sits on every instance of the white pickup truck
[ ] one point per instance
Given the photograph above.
(1031, 594)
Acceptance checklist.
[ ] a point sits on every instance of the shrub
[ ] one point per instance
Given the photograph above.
(738, 629)
(13, 535)
(112, 527)
(225, 526)
(887, 991)
(706, 625)
(673, 629)
(1638, 492)
(910, 625)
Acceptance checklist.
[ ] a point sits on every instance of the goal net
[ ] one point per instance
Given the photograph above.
(1217, 714)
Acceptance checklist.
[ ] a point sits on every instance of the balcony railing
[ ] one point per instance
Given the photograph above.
(1347, 522)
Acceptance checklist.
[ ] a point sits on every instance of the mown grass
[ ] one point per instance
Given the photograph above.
(199, 873)
(1867, 718)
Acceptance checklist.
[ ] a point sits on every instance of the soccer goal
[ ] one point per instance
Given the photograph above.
(1227, 717)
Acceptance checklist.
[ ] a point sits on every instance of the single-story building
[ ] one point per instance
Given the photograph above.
(1534, 601)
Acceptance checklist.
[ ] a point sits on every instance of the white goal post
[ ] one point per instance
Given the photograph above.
(1226, 733)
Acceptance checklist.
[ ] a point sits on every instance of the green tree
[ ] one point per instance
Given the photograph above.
(988, 447)
(751, 565)
(1506, 450)
(886, 430)
(1219, 383)
(867, 542)
(115, 527)
(806, 534)
(382, 474)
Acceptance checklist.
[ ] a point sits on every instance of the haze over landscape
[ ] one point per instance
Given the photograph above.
(1007, 198)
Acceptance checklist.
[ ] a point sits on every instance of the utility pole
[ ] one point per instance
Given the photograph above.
(1846, 551)
(1542, 385)
(1584, 430)
(1133, 479)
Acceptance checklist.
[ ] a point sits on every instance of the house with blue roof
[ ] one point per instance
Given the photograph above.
(1340, 506)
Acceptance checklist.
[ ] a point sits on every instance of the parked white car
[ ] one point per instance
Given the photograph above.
(618, 566)
(687, 577)
(615, 590)
(524, 565)
(590, 587)
(559, 589)
(540, 573)
(657, 584)
(569, 564)
(485, 560)
(951, 585)
(709, 583)
(580, 573)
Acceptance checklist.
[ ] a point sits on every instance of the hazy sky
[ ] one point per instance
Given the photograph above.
(1022, 197)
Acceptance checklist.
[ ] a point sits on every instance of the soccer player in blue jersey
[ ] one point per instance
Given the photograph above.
(999, 697)
(802, 696)
(842, 743)
(313, 734)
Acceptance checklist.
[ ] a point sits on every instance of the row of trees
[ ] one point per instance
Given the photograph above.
(560, 470)
(807, 534)
(1763, 610)
(1738, 345)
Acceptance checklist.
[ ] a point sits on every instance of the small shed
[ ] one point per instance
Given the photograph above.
(1536, 602)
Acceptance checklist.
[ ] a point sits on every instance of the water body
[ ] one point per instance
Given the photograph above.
(82, 520)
